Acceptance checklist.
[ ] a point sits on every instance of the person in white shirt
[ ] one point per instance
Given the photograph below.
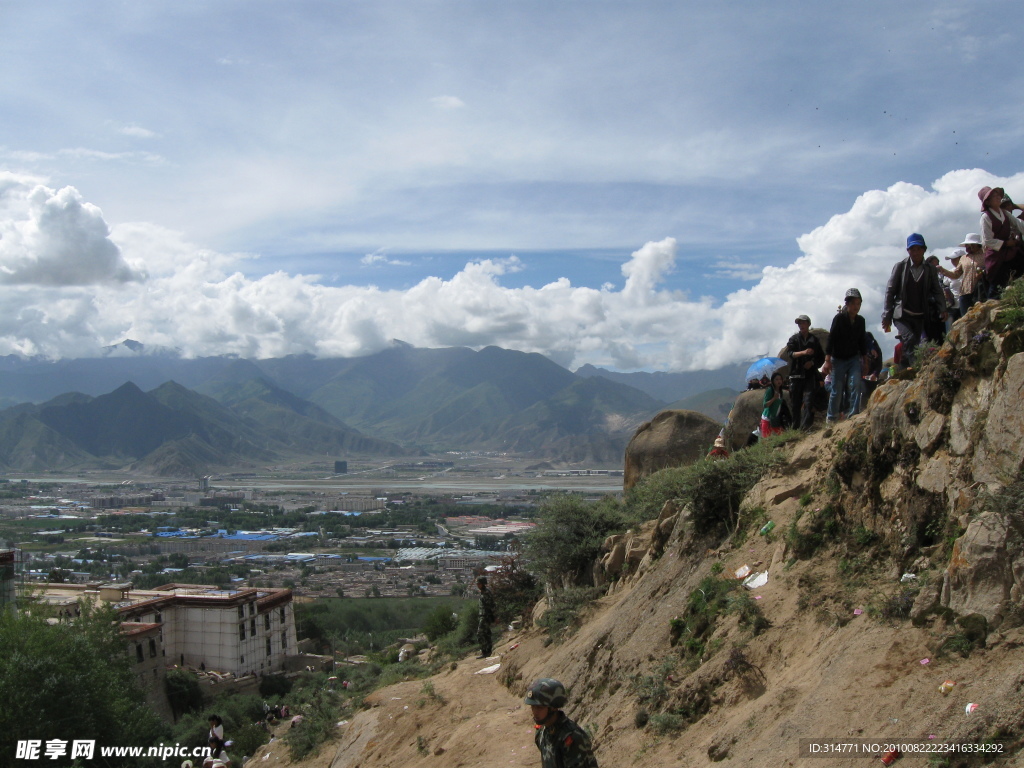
(1001, 236)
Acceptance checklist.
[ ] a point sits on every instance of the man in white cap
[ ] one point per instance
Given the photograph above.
(806, 355)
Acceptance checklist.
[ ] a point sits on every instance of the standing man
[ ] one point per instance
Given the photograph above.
(845, 356)
(912, 284)
(561, 742)
(807, 356)
(485, 618)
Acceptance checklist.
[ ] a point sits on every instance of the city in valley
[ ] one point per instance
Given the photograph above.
(387, 528)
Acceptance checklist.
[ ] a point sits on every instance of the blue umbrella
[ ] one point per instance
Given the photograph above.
(766, 366)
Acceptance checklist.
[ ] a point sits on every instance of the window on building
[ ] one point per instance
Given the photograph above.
(241, 631)
(252, 608)
(152, 648)
(241, 659)
(159, 618)
(284, 640)
(138, 653)
(268, 647)
(266, 622)
(282, 615)
(241, 611)
(252, 627)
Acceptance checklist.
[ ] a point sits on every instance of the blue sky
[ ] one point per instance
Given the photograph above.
(354, 147)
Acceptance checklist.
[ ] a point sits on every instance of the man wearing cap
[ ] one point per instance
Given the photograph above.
(806, 355)
(846, 357)
(912, 285)
(1001, 236)
(561, 742)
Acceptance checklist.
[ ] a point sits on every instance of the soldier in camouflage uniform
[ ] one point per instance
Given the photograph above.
(485, 618)
(561, 742)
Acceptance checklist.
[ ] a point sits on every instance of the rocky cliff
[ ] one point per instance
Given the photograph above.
(888, 557)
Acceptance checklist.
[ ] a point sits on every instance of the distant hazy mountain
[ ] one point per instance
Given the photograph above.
(670, 387)
(172, 430)
(248, 410)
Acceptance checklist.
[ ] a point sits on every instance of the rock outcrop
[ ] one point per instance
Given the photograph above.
(670, 439)
(924, 467)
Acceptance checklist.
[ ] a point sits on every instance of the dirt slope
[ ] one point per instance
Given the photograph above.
(812, 674)
(838, 659)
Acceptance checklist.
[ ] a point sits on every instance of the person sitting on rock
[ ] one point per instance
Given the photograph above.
(718, 450)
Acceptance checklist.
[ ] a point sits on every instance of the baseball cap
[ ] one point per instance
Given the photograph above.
(916, 239)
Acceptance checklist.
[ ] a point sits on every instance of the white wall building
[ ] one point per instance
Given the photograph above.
(243, 631)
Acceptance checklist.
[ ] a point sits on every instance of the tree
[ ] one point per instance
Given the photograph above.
(568, 538)
(71, 681)
(183, 692)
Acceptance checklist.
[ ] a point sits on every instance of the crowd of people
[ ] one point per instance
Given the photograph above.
(921, 299)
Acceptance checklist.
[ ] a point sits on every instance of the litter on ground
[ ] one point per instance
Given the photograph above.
(755, 580)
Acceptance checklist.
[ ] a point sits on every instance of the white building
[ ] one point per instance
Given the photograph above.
(242, 631)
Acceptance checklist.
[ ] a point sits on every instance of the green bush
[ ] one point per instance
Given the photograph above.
(562, 616)
(665, 723)
(72, 681)
(183, 693)
(569, 536)
(1011, 315)
(275, 685)
(712, 489)
(439, 622)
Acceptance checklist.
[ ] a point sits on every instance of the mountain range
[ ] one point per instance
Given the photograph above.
(163, 414)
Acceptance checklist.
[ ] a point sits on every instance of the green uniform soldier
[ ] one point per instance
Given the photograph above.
(485, 618)
(561, 742)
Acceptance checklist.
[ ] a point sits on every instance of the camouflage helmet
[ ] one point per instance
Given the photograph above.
(546, 692)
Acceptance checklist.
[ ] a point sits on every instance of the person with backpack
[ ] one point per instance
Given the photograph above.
(913, 289)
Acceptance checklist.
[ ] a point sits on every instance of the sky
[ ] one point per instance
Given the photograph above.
(639, 186)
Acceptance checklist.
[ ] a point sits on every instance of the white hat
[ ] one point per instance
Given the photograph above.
(958, 253)
(972, 239)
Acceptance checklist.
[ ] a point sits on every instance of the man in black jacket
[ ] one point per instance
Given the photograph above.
(844, 358)
(911, 285)
(806, 355)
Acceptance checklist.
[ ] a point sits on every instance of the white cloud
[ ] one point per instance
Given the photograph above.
(138, 132)
(53, 238)
(448, 102)
(199, 302)
(379, 257)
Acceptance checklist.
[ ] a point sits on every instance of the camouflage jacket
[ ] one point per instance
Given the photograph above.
(487, 609)
(564, 745)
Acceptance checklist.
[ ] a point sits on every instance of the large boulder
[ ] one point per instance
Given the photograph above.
(744, 418)
(670, 439)
(987, 567)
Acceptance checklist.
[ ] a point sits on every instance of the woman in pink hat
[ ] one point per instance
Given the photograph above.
(1001, 238)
